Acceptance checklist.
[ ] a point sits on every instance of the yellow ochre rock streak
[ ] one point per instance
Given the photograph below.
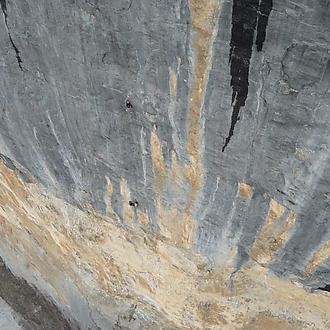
(205, 16)
(245, 190)
(319, 257)
(109, 262)
(274, 233)
(176, 221)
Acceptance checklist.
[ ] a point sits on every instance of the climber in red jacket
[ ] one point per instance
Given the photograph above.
(128, 104)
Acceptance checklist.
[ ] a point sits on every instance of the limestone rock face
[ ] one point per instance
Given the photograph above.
(226, 150)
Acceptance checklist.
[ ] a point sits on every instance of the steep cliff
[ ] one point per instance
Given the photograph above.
(226, 151)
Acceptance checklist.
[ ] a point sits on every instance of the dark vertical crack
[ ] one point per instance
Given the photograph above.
(265, 8)
(246, 14)
(4, 7)
(244, 21)
(18, 57)
(326, 288)
(5, 14)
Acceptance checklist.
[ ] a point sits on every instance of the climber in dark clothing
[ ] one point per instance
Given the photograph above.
(135, 203)
(128, 104)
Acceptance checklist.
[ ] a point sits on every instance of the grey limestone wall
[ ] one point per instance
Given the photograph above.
(68, 66)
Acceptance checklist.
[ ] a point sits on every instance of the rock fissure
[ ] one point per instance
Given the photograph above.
(246, 16)
(17, 52)
(325, 288)
(265, 8)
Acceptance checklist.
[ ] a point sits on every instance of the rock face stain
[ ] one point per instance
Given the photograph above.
(274, 233)
(108, 196)
(173, 84)
(319, 257)
(264, 321)
(265, 8)
(160, 170)
(204, 21)
(246, 15)
(211, 313)
(245, 190)
(176, 220)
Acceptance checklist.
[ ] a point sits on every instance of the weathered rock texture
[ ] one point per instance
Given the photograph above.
(226, 150)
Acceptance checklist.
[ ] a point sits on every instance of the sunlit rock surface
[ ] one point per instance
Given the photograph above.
(226, 151)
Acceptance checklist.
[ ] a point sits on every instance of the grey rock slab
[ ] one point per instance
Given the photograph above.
(67, 68)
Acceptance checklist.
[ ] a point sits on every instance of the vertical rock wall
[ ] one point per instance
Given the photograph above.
(226, 150)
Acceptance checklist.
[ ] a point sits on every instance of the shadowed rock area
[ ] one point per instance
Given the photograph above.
(226, 151)
(34, 310)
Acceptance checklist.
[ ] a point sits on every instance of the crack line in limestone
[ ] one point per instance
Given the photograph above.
(90, 315)
(5, 14)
